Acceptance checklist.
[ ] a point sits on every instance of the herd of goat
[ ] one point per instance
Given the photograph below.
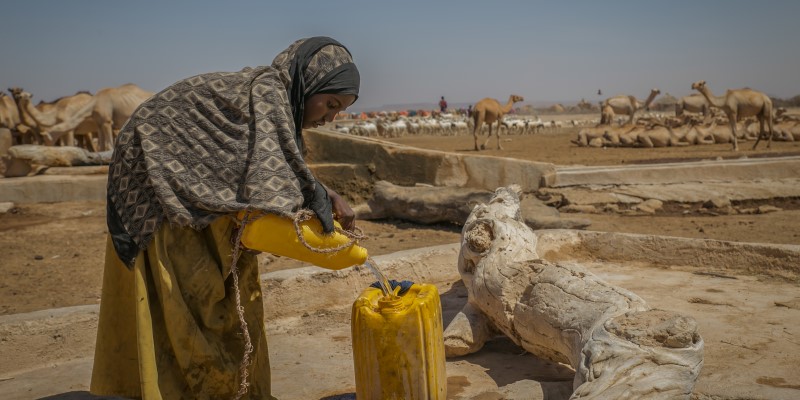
(446, 124)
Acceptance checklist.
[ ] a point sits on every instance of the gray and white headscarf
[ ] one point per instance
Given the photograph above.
(218, 143)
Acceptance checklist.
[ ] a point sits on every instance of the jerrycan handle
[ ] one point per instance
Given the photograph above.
(305, 215)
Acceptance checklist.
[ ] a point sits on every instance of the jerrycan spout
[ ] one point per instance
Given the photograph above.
(278, 235)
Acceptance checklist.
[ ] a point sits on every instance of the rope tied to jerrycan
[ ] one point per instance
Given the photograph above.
(304, 215)
(248, 344)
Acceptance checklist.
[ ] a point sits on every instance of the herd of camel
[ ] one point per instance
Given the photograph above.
(742, 108)
(90, 121)
(694, 122)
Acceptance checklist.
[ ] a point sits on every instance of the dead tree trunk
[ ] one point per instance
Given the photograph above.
(619, 348)
(30, 159)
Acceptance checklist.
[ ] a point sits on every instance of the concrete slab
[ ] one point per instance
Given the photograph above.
(680, 192)
(53, 188)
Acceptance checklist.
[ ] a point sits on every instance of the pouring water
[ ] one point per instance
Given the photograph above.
(382, 281)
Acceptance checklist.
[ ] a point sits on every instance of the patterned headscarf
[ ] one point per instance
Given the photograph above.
(219, 143)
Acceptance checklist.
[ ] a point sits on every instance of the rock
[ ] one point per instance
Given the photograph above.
(768, 209)
(530, 206)
(6, 206)
(426, 205)
(557, 223)
(579, 208)
(649, 206)
(717, 202)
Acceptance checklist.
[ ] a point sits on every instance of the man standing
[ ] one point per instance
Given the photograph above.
(443, 105)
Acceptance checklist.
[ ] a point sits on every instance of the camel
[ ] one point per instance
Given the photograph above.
(658, 135)
(110, 108)
(691, 134)
(622, 136)
(591, 136)
(12, 119)
(787, 126)
(489, 110)
(9, 120)
(741, 103)
(788, 130)
(585, 105)
(606, 115)
(45, 115)
(113, 107)
(781, 115)
(721, 133)
(693, 103)
(9, 113)
(624, 105)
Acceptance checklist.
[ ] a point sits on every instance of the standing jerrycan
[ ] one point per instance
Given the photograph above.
(398, 347)
(278, 235)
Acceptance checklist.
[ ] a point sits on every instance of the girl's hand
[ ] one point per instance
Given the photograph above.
(341, 210)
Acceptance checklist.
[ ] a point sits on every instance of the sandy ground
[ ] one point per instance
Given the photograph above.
(52, 254)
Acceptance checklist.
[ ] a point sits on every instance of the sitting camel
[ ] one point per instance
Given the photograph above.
(623, 136)
(624, 105)
(489, 110)
(741, 103)
(781, 115)
(788, 130)
(720, 131)
(787, 126)
(592, 136)
(658, 135)
(619, 347)
(690, 133)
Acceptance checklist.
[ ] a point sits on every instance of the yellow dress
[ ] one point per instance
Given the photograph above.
(168, 329)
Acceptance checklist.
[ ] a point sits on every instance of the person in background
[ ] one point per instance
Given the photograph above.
(188, 160)
(443, 105)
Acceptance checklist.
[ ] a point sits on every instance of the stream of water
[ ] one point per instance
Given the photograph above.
(382, 281)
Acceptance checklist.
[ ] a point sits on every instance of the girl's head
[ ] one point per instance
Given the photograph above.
(321, 80)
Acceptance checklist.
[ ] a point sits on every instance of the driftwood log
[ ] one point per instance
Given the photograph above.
(443, 204)
(618, 346)
(31, 159)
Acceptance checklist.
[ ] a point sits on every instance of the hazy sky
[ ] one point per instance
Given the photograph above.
(413, 51)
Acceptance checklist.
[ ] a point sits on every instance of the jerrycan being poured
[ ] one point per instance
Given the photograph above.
(398, 348)
(278, 235)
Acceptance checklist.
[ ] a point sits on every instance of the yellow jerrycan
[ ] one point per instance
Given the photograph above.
(398, 347)
(275, 234)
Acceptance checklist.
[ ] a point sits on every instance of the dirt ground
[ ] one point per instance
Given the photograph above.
(52, 254)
